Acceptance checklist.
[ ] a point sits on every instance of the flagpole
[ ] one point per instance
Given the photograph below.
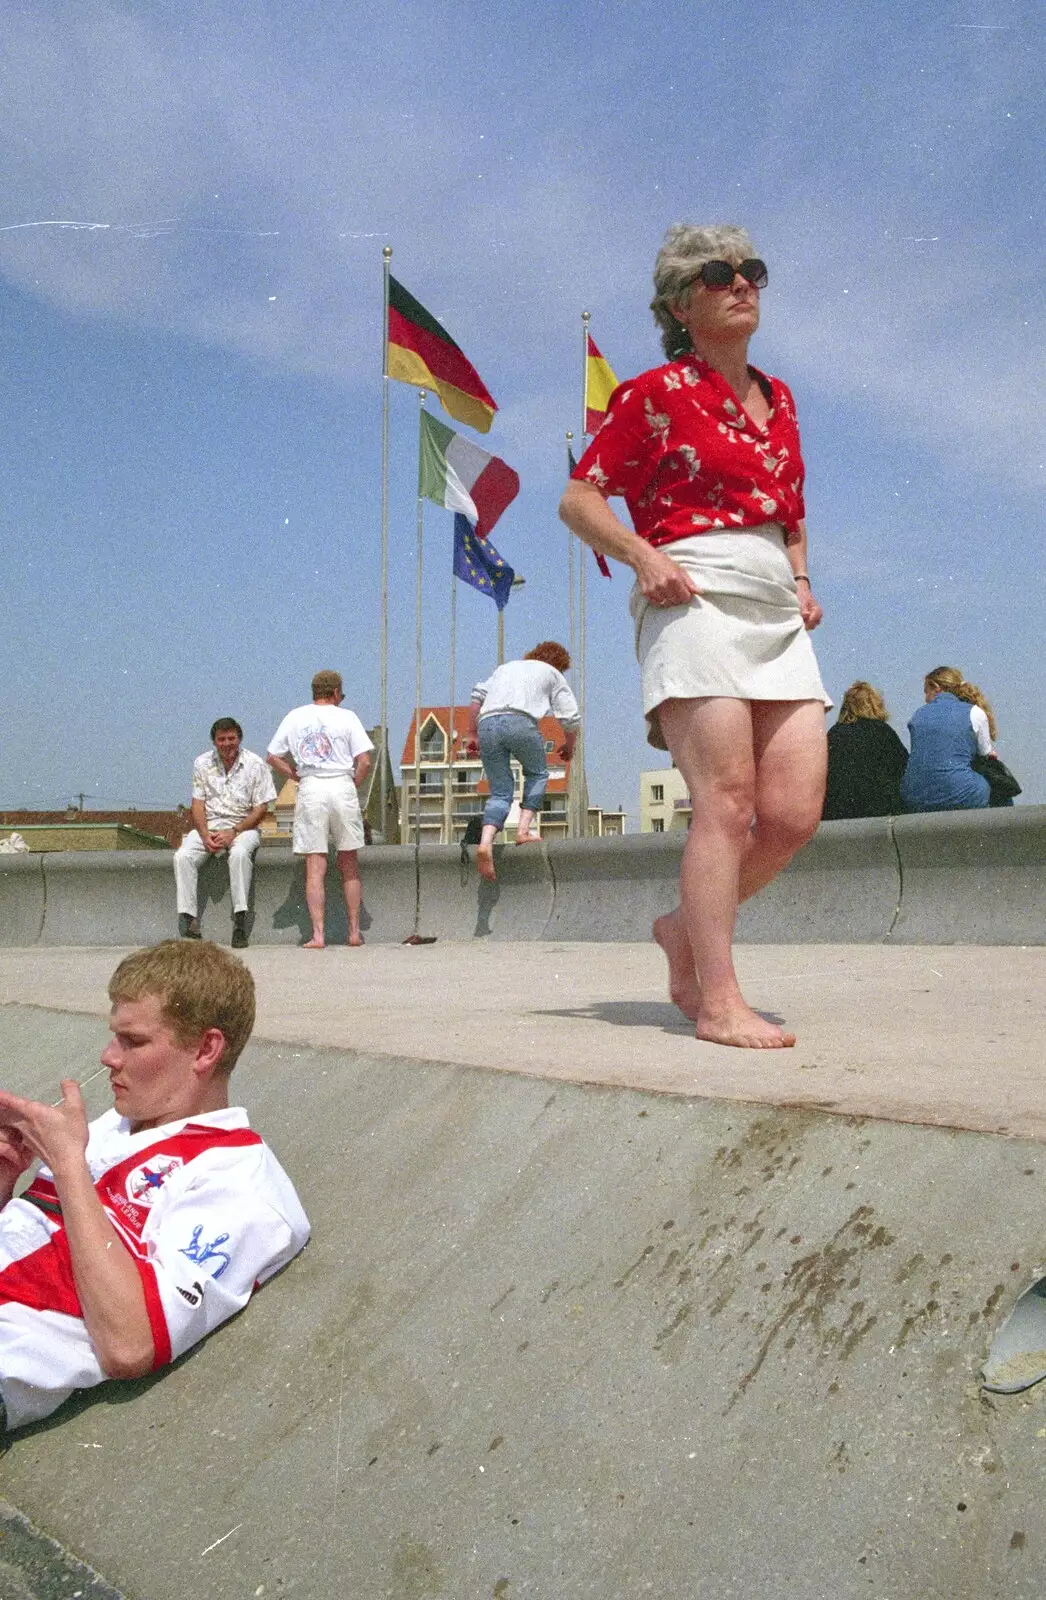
(571, 542)
(573, 809)
(582, 598)
(450, 735)
(384, 713)
(417, 699)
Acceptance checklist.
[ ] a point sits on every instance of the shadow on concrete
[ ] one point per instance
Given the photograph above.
(628, 1014)
(642, 1014)
(489, 895)
(294, 913)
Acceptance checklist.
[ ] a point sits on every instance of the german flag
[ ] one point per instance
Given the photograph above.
(423, 353)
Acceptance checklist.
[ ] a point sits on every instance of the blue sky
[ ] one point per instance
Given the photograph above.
(191, 222)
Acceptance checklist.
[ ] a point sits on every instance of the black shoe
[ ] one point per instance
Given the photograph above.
(239, 931)
(188, 927)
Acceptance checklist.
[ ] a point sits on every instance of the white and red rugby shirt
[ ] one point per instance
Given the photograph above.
(206, 1213)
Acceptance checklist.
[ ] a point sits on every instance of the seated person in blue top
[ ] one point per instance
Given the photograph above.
(954, 725)
(866, 759)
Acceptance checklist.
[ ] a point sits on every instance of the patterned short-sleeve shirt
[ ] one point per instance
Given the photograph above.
(228, 796)
(688, 459)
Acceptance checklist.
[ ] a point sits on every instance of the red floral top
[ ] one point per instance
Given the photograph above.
(688, 459)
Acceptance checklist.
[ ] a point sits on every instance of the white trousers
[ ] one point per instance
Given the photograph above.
(192, 851)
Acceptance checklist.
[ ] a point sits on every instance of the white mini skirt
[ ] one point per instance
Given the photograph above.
(741, 638)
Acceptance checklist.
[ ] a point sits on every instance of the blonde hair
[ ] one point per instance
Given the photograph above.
(199, 986)
(861, 700)
(949, 680)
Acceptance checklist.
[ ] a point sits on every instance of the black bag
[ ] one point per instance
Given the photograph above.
(1002, 784)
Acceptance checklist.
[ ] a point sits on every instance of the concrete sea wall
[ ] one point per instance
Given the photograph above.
(967, 877)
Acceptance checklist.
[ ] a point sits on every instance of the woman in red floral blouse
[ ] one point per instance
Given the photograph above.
(705, 452)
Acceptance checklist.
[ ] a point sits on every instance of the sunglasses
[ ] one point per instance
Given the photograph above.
(721, 274)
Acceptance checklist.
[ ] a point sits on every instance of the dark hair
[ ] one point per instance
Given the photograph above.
(226, 725)
(551, 653)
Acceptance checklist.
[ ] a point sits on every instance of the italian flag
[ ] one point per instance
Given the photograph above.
(457, 474)
(422, 352)
(600, 384)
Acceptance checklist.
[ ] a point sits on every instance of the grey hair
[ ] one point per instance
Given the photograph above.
(683, 251)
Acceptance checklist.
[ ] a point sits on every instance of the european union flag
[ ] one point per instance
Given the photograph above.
(478, 563)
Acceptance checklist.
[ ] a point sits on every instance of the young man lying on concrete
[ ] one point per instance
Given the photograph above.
(144, 1230)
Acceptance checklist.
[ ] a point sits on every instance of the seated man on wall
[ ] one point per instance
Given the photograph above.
(232, 789)
(145, 1229)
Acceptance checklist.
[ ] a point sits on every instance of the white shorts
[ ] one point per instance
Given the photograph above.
(327, 811)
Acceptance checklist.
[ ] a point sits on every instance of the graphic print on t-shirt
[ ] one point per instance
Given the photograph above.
(316, 746)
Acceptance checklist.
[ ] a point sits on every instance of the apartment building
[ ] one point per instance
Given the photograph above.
(664, 803)
(453, 789)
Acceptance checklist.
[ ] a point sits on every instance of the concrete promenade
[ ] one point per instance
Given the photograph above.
(590, 1309)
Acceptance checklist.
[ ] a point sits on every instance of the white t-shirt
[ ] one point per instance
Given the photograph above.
(532, 687)
(205, 1211)
(324, 741)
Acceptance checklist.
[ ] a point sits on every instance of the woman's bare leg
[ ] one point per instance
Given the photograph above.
(523, 827)
(485, 853)
(739, 759)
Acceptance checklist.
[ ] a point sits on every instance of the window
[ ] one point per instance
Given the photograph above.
(657, 793)
(550, 745)
(433, 744)
(659, 825)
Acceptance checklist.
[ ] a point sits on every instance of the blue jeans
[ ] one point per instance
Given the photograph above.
(501, 735)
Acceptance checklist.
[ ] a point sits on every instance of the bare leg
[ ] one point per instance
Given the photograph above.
(740, 759)
(683, 988)
(315, 897)
(485, 853)
(352, 888)
(523, 827)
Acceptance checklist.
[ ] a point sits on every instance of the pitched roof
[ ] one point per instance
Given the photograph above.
(550, 730)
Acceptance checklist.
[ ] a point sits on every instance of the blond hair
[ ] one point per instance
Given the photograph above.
(949, 680)
(861, 700)
(199, 986)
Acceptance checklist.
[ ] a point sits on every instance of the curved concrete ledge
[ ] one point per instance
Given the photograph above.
(609, 890)
(23, 898)
(972, 877)
(844, 888)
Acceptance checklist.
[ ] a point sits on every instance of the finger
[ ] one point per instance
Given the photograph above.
(72, 1099)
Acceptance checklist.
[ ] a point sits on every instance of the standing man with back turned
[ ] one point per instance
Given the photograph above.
(232, 790)
(325, 748)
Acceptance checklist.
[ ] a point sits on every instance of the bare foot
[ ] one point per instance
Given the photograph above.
(355, 940)
(314, 944)
(485, 862)
(683, 987)
(528, 838)
(739, 1025)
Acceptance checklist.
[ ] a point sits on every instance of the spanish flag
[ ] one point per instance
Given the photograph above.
(600, 384)
(423, 353)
